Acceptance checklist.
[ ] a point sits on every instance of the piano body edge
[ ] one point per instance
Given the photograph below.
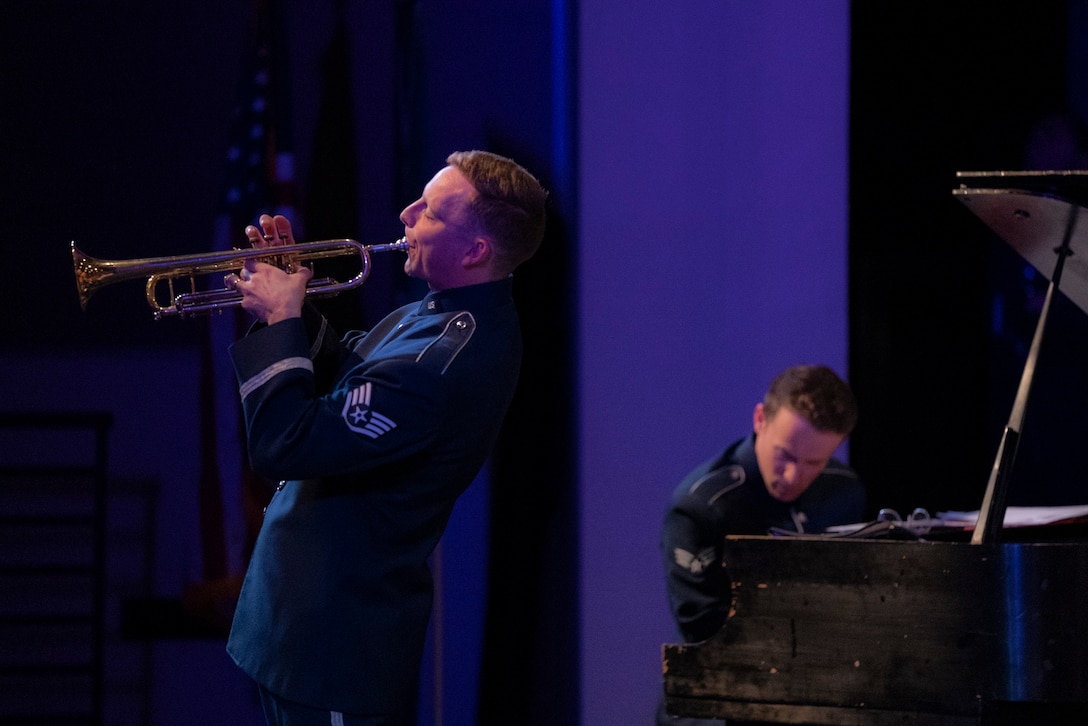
(874, 632)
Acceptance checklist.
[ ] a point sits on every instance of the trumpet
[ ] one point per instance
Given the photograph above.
(93, 273)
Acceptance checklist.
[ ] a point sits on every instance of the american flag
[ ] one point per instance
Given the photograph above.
(258, 179)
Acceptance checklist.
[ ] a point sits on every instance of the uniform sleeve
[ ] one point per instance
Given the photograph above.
(698, 586)
(375, 415)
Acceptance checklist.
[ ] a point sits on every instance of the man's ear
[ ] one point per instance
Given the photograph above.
(758, 419)
(479, 252)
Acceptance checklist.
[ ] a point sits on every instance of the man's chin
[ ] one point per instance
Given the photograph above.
(786, 496)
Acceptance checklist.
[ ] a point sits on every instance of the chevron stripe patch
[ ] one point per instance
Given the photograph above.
(360, 418)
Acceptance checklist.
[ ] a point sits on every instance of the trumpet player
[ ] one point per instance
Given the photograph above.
(373, 436)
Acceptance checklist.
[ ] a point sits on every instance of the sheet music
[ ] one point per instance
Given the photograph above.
(1017, 516)
(919, 525)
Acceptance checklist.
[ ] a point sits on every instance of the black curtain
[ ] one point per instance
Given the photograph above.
(939, 318)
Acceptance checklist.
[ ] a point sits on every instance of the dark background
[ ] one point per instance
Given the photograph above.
(941, 311)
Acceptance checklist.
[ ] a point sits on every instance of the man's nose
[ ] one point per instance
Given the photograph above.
(408, 215)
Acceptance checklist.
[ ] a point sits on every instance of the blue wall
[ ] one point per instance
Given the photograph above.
(712, 245)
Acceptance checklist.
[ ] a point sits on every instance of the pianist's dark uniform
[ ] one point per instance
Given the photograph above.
(726, 495)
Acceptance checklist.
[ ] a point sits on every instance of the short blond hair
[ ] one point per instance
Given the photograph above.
(509, 205)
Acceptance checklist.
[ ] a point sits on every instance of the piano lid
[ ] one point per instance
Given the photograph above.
(1034, 212)
(1070, 183)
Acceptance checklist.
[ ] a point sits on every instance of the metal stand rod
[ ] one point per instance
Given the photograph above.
(992, 514)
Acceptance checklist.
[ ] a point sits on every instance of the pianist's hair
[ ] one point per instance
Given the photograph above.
(817, 394)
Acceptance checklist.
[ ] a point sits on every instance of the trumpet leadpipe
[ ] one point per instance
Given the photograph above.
(401, 245)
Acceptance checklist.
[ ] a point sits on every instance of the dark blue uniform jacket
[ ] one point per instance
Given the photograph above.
(726, 495)
(374, 437)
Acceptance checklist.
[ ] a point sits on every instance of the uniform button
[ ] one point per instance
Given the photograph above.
(280, 486)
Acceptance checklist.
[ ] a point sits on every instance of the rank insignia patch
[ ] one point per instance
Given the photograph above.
(695, 564)
(360, 419)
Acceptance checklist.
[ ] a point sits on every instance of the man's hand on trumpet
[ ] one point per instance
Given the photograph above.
(269, 292)
(273, 232)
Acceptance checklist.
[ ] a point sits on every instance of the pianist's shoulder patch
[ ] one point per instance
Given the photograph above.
(360, 418)
(695, 564)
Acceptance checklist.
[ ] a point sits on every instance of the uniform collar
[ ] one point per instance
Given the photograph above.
(471, 297)
(743, 452)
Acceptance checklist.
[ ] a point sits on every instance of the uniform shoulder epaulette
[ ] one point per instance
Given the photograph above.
(443, 350)
(718, 482)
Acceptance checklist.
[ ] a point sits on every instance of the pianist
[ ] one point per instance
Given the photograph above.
(781, 476)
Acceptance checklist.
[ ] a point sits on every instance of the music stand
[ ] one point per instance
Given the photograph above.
(1034, 212)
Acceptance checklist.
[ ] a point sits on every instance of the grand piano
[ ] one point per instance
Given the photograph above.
(946, 627)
